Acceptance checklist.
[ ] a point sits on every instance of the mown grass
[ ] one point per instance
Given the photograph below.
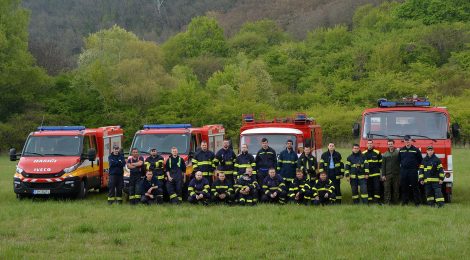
(92, 229)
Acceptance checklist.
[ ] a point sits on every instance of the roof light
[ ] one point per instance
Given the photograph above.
(61, 128)
(167, 126)
(248, 118)
(404, 103)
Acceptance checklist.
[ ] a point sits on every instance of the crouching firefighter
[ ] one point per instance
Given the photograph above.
(300, 191)
(151, 189)
(274, 188)
(323, 190)
(198, 189)
(246, 188)
(222, 189)
(175, 169)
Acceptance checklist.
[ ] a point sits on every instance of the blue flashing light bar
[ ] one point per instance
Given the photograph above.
(411, 103)
(61, 128)
(248, 118)
(301, 117)
(167, 126)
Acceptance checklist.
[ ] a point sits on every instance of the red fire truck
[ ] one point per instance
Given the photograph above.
(67, 160)
(301, 129)
(426, 125)
(182, 136)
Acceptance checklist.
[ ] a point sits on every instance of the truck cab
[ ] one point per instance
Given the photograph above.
(301, 129)
(64, 160)
(426, 125)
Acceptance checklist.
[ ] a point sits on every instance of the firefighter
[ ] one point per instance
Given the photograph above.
(244, 160)
(300, 191)
(308, 164)
(203, 161)
(135, 164)
(175, 170)
(410, 158)
(246, 188)
(391, 173)
(274, 188)
(198, 189)
(374, 161)
(265, 158)
(323, 190)
(357, 173)
(154, 163)
(151, 189)
(116, 173)
(287, 163)
(431, 175)
(331, 163)
(225, 160)
(222, 189)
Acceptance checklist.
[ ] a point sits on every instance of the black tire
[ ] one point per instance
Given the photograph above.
(82, 192)
(20, 196)
(448, 197)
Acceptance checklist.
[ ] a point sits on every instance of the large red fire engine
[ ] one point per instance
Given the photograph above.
(426, 125)
(301, 129)
(65, 160)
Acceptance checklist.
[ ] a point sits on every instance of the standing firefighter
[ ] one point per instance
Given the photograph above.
(198, 189)
(300, 191)
(308, 164)
(410, 158)
(374, 160)
(135, 164)
(116, 173)
(357, 174)
(323, 190)
(431, 174)
(244, 160)
(330, 163)
(203, 161)
(175, 169)
(225, 159)
(287, 163)
(246, 188)
(265, 159)
(391, 173)
(274, 189)
(154, 163)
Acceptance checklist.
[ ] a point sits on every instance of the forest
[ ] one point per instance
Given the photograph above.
(214, 67)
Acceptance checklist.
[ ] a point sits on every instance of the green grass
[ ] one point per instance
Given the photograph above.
(92, 229)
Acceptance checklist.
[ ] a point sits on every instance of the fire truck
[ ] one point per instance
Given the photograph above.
(302, 130)
(184, 137)
(64, 160)
(426, 125)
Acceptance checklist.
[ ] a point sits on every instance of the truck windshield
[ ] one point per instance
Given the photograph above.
(53, 146)
(276, 141)
(162, 142)
(397, 124)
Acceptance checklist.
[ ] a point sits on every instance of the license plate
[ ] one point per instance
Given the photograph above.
(41, 192)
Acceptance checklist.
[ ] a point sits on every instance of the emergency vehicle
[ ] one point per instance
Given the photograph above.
(302, 130)
(425, 124)
(66, 160)
(182, 136)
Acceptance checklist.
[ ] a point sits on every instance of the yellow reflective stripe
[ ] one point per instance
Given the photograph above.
(364, 196)
(118, 198)
(440, 200)
(172, 196)
(431, 180)
(430, 198)
(111, 198)
(355, 196)
(374, 175)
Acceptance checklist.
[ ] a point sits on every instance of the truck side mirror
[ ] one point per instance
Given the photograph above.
(91, 154)
(13, 154)
(455, 130)
(356, 129)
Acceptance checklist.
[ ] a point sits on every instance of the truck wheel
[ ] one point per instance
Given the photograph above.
(82, 192)
(20, 196)
(448, 197)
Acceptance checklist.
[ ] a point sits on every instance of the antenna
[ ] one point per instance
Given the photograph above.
(42, 122)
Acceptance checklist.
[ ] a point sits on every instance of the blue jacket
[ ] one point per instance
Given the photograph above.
(287, 164)
(146, 184)
(410, 158)
(116, 164)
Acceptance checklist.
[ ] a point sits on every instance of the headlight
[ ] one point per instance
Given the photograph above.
(71, 168)
(19, 170)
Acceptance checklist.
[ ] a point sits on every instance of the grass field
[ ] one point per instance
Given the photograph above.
(92, 229)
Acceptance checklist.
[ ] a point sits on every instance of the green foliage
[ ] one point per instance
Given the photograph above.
(435, 11)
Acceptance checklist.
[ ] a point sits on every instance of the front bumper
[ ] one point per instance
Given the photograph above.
(68, 186)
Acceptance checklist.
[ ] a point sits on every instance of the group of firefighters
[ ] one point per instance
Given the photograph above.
(243, 179)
